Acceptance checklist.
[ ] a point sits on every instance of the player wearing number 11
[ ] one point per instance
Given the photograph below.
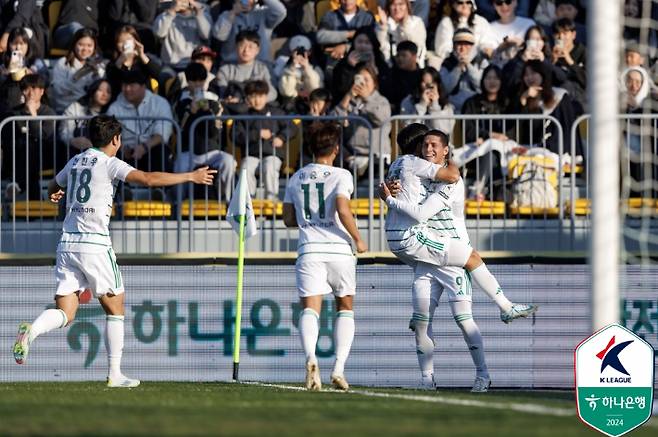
(85, 258)
(318, 202)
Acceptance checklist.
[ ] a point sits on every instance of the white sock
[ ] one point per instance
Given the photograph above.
(47, 321)
(424, 345)
(488, 283)
(114, 345)
(309, 328)
(463, 316)
(343, 336)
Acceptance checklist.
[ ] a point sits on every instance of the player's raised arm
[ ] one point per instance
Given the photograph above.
(421, 213)
(449, 173)
(347, 219)
(202, 176)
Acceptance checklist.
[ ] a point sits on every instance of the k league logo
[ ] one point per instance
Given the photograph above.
(614, 370)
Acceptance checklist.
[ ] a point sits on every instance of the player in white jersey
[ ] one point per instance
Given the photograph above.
(443, 210)
(318, 202)
(85, 258)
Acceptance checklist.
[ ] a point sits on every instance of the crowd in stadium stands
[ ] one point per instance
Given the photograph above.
(185, 59)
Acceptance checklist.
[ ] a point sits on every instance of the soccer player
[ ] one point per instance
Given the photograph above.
(444, 206)
(317, 201)
(85, 258)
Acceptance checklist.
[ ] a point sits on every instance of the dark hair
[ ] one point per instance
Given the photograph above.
(20, 32)
(547, 94)
(134, 76)
(247, 35)
(320, 94)
(542, 33)
(32, 81)
(454, 17)
(234, 89)
(445, 138)
(500, 97)
(407, 46)
(410, 138)
(91, 90)
(376, 47)
(124, 29)
(325, 137)
(256, 87)
(195, 72)
(436, 78)
(81, 33)
(564, 24)
(102, 129)
(367, 66)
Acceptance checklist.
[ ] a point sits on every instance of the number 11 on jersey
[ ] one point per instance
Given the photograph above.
(319, 188)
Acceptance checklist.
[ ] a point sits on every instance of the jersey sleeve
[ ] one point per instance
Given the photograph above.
(425, 169)
(289, 197)
(62, 177)
(421, 213)
(117, 169)
(345, 185)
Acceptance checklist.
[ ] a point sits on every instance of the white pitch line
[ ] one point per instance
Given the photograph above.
(524, 408)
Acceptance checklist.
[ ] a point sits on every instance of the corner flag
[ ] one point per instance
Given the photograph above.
(241, 216)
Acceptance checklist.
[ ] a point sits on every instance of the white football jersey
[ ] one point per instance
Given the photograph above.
(90, 179)
(313, 190)
(410, 170)
(449, 219)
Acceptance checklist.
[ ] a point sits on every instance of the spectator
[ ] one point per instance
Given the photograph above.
(138, 13)
(365, 48)
(247, 66)
(508, 31)
(181, 28)
(129, 55)
(25, 14)
(262, 141)
(570, 9)
(195, 102)
(536, 46)
(73, 73)
(405, 75)
(339, 26)
(488, 11)
(73, 132)
(538, 96)
(462, 15)
(319, 106)
(19, 40)
(429, 98)
(396, 24)
(205, 56)
(247, 15)
(544, 14)
(364, 100)
(570, 57)
(33, 148)
(144, 141)
(73, 16)
(299, 76)
(461, 73)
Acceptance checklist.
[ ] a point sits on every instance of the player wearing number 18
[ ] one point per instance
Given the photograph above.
(318, 202)
(85, 258)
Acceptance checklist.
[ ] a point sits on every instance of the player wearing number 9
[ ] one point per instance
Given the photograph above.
(85, 258)
(318, 202)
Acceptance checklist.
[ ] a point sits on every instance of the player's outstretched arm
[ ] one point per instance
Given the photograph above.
(55, 192)
(449, 173)
(202, 176)
(421, 213)
(289, 217)
(347, 219)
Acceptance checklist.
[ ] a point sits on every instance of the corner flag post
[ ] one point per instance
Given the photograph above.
(238, 297)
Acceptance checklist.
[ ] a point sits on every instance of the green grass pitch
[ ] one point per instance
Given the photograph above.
(195, 409)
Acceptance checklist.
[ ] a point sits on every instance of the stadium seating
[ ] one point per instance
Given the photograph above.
(34, 209)
(484, 208)
(144, 208)
(202, 208)
(54, 8)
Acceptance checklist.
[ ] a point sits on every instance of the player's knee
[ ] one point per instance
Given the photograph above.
(474, 261)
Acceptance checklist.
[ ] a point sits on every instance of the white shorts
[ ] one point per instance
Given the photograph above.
(424, 246)
(97, 271)
(316, 278)
(430, 282)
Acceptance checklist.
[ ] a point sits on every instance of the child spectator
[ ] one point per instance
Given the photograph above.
(195, 102)
(462, 71)
(247, 15)
(74, 72)
(73, 132)
(129, 55)
(262, 141)
(181, 28)
(144, 141)
(247, 66)
(205, 56)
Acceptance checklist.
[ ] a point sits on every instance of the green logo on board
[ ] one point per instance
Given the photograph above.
(614, 380)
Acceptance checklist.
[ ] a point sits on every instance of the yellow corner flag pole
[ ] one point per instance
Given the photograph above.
(238, 301)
